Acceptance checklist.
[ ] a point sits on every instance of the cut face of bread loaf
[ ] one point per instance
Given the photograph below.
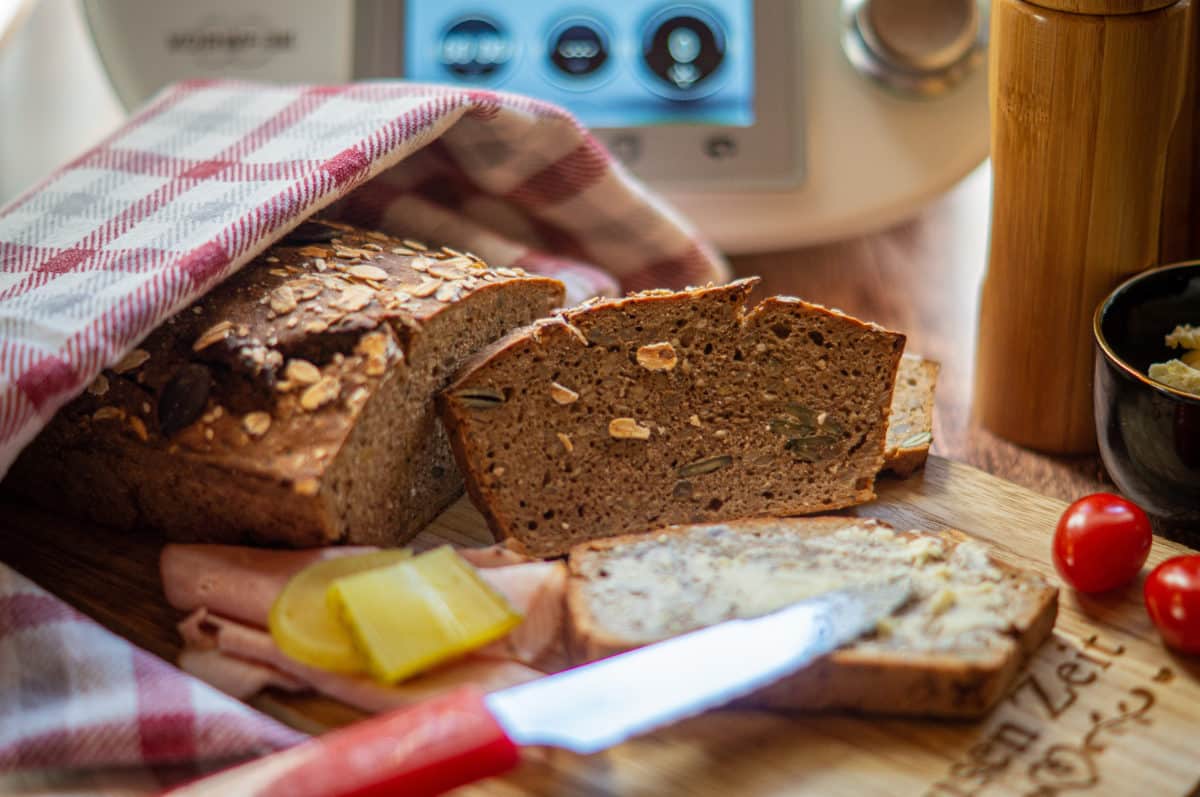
(951, 651)
(910, 424)
(663, 407)
(293, 404)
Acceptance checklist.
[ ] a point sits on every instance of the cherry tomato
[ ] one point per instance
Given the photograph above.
(1172, 594)
(1101, 542)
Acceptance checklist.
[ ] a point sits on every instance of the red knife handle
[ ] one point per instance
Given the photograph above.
(426, 749)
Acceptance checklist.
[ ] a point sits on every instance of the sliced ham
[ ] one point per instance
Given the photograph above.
(229, 591)
(238, 643)
(233, 580)
(497, 555)
(538, 591)
(241, 583)
(234, 676)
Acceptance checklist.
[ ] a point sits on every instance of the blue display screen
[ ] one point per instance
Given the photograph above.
(622, 63)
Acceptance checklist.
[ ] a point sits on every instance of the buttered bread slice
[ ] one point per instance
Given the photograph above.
(951, 651)
(671, 407)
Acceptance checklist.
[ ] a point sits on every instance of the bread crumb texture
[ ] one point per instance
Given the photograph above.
(681, 407)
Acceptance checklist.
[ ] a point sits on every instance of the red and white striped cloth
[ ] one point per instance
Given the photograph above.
(211, 173)
(73, 694)
(195, 185)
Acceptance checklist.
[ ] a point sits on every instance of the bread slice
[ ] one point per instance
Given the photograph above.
(671, 407)
(293, 404)
(951, 651)
(910, 424)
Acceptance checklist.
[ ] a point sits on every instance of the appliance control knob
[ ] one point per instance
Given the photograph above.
(917, 47)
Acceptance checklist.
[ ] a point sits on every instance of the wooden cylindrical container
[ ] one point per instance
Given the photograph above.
(1084, 95)
(1180, 236)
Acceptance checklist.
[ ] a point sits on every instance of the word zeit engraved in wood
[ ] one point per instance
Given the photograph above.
(1050, 734)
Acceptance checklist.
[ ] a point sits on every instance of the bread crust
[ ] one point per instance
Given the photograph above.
(375, 323)
(895, 683)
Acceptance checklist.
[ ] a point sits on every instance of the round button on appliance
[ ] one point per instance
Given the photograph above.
(579, 48)
(475, 48)
(683, 47)
(919, 47)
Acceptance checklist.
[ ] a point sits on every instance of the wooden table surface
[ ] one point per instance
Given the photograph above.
(922, 278)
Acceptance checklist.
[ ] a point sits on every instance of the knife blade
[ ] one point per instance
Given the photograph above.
(465, 735)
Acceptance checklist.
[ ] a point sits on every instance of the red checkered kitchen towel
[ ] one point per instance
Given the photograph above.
(195, 185)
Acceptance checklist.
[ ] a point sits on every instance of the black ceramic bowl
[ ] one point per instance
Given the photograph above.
(1149, 433)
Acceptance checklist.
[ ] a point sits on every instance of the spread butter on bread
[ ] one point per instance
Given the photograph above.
(952, 651)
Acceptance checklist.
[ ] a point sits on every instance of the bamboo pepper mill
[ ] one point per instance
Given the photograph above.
(1084, 94)
(1180, 237)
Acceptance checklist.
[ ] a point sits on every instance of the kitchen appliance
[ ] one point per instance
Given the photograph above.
(466, 736)
(770, 123)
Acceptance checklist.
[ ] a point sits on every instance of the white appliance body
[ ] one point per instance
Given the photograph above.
(786, 142)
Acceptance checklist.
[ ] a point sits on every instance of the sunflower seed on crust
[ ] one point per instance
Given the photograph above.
(302, 372)
(217, 332)
(99, 385)
(307, 487)
(256, 424)
(577, 332)
(447, 292)
(367, 272)
(562, 394)
(627, 429)
(139, 428)
(372, 343)
(353, 299)
(657, 356)
(320, 394)
(427, 287)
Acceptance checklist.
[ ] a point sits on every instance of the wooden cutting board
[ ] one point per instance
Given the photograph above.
(1102, 709)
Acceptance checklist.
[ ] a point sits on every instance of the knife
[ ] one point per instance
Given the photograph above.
(465, 735)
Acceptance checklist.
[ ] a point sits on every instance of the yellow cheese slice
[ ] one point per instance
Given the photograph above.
(304, 625)
(415, 614)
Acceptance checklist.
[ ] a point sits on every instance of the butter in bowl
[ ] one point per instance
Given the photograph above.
(1147, 392)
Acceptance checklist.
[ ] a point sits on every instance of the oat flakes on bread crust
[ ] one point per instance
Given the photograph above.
(952, 651)
(292, 405)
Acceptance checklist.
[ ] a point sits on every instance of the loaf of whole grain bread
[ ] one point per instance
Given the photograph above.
(951, 651)
(671, 407)
(910, 424)
(293, 404)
